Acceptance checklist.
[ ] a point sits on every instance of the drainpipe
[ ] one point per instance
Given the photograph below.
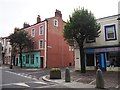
(45, 52)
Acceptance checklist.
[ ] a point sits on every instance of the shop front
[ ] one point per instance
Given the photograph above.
(103, 57)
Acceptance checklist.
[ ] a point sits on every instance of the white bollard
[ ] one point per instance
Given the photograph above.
(99, 79)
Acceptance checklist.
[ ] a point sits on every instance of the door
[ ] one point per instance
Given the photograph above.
(100, 60)
(41, 62)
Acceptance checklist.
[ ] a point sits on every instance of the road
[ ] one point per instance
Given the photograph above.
(23, 78)
(26, 78)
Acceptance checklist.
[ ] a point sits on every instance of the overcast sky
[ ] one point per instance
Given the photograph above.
(13, 13)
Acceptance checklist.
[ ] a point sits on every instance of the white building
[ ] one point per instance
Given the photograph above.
(0, 53)
(105, 48)
(6, 50)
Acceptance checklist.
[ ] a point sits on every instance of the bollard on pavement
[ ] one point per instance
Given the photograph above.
(99, 79)
(67, 75)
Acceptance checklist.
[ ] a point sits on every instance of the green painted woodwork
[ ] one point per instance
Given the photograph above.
(29, 63)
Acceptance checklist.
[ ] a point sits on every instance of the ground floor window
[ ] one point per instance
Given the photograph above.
(89, 59)
(27, 59)
(113, 58)
(37, 59)
(32, 59)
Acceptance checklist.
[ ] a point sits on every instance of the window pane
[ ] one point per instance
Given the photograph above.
(110, 32)
(33, 33)
(41, 44)
(32, 59)
(55, 22)
(27, 59)
(41, 30)
(110, 35)
(90, 39)
(110, 29)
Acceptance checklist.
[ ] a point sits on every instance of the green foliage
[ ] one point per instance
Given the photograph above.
(81, 25)
(67, 75)
(55, 73)
(20, 41)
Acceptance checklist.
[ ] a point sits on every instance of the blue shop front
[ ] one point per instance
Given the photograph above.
(103, 56)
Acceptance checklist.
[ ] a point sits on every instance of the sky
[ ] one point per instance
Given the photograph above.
(13, 13)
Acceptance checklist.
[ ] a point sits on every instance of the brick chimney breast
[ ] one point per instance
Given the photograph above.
(25, 25)
(38, 19)
(58, 13)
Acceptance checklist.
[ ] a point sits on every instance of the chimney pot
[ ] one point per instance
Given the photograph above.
(58, 13)
(25, 25)
(38, 19)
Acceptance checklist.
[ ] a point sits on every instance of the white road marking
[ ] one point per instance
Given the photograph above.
(40, 82)
(47, 86)
(77, 79)
(21, 84)
(92, 81)
(19, 74)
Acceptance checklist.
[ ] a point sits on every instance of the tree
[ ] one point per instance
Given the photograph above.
(21, 41)
(80, 26)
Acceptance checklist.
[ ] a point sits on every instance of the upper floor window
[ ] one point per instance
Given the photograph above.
(90, 39)
(33, 32)
(41, 44)
(110, 32)
(56, 22)
(41, 31)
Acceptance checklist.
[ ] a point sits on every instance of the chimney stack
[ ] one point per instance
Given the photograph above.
(38, 19)
(16, 29)
(58, 13)
(25, 25)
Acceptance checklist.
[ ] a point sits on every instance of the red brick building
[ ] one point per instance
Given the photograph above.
(50, 49)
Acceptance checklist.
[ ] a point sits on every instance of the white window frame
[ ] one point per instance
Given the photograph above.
(33, 35)
(41, 30)
(42, 44)
(88, 40)
(55, 22)
(106, 32)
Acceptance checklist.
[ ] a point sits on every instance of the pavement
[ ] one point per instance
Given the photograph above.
(71, 84)
(88, 80)
(82, 80)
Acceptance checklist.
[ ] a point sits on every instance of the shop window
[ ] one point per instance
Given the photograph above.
(113, 58)
(110, 32)
(89, 59)
(32, 59)
(27, 59)
(37, 59)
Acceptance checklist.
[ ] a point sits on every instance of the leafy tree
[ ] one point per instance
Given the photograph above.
(21, 41)
(80, 26)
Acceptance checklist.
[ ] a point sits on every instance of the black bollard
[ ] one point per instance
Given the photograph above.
(11, 66)
(67, 75)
